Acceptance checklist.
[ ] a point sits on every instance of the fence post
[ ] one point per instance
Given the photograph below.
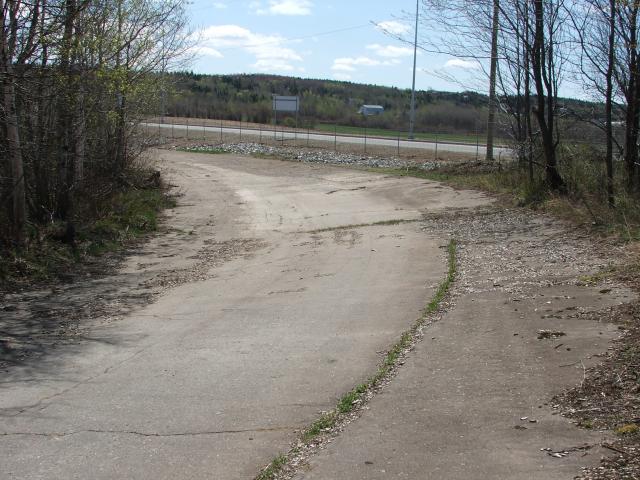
(260, 134)
(307, 137)
(477, 144)
(204, 130)
(365, 138)
(335, 137)
(221, 130)
(436, 158)
(241, 130)
(398, 145)
(187, 128)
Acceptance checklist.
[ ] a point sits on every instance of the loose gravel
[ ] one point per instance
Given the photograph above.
(309, 155)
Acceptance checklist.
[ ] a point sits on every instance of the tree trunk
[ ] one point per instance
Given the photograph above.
(19, 210)
(609, 102)
(631, 127)
(542, 65)
(66, 165)
(491, 121)
(14, 147)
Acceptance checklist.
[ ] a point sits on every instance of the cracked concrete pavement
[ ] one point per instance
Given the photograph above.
(256, 324)
(474, 399)
(276, 288)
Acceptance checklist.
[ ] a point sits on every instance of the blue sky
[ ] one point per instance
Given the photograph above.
(314, 39)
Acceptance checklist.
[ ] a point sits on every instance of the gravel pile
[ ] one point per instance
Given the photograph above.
(308, 155)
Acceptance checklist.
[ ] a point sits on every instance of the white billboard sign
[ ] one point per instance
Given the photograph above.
(285, 103)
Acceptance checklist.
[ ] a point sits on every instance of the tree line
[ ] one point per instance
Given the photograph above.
(248, 98)
(76, 76)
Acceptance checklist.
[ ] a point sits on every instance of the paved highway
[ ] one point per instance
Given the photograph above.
(395, 143)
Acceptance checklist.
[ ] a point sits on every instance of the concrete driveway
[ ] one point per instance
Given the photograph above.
(264, 313)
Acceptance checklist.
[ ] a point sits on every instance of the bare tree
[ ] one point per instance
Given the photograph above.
(76, 76)
(626, 74)
(595, 32)
(545, 70)
(530, 53)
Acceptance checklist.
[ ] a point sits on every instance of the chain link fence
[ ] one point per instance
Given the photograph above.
(358, 140)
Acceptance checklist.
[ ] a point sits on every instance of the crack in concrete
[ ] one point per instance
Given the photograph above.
(20, 410)
(381, 223)
(145, 434)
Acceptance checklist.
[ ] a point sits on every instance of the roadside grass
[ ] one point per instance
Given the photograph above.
(274, 467)
(127, 216)
(580, 206)
(116, 222)
(355, 398)
(381, 132)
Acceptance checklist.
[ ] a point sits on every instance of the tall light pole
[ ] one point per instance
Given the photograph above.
(412, 115)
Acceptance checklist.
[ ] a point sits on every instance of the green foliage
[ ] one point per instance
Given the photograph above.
(289, 122)
(125, 216)
(273, 468)
(326, 421)
(349, 400)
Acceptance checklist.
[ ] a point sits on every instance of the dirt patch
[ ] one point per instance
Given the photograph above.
(609, 400)
(346, 237)
(211, 255)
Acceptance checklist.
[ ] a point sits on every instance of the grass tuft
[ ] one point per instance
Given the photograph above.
(629, 429)
(273, 468)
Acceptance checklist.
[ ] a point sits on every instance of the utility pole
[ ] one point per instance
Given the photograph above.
(491, 121)
(412, 115)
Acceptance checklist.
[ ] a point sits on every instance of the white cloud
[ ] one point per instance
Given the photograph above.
(219, 5)
(207, 51)
(394, 27)
(268, 50)
(390, 51)
(342, 76)
(464, 64)
(282, 7)
(349, 64)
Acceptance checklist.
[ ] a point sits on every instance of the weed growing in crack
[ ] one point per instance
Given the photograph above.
(274, 467)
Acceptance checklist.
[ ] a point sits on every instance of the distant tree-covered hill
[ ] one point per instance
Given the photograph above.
(248, 98)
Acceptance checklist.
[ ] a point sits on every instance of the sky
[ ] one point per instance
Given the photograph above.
(324, 39)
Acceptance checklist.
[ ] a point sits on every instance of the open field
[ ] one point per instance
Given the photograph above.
(469, 138)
